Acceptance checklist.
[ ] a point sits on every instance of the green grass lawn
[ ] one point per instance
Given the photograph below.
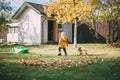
(102, 63)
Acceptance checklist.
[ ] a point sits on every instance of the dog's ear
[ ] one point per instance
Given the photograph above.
(80, 48)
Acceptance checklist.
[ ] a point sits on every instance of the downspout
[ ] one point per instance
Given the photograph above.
(42, 29)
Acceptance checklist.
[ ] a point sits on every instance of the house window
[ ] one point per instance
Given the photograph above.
(9, 30)
(13, 30)
(60, 27)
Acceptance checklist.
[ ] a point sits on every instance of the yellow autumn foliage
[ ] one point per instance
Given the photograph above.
(83, 10)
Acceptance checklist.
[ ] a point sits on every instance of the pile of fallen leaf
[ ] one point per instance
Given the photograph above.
(57, 64)
(10, 43)
(115, 44)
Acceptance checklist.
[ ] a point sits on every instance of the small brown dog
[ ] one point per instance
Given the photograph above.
(82, 51)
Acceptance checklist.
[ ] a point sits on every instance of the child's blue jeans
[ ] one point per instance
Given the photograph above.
(64, 49)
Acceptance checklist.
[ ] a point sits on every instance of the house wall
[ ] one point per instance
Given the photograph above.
(45, 29)
(12, 37)
(68, 29)
(103, 30)
(29, 27)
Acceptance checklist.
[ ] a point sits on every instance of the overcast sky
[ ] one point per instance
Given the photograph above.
(17, 3)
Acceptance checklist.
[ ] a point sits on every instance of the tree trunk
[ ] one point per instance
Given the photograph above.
(75, 33)
(109, 32)
(95, 31)
(116, 33)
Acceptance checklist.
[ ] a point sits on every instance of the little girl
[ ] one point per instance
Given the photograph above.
(63, 43)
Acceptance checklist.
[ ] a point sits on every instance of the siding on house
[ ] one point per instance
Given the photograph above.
(12, 37)
(102, 29)
(68, 29)
(29, 27)
(44, 29)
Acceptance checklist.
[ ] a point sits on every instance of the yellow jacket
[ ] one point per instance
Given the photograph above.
(63, 41)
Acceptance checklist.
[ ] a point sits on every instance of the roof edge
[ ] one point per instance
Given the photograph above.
(29, 5)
